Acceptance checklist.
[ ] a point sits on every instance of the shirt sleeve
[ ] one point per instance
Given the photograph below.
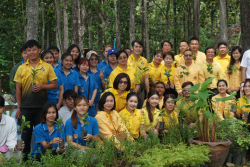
(77, 83)
(59, 77)
(39, 137)
(177, 81)
(95, 127)
(227, 77)
(12, 136)
(95, 86)
(52, 75)
(68, 128)
(111, 79)
(244, 60)
(18, 76)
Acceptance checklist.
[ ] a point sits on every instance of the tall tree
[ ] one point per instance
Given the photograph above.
(100, 37)
(189, 18)
(43, 28)
(82, 24)
(245, 24)
(90, 9)
(132, 21)
(65, 26)
(117, 24)
(74, 25)
(146, 46)
(175, 26)
(223, 20)
(197, 18)
(32, 19)
(58, 24)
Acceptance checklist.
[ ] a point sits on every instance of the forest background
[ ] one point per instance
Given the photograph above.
(96, 23)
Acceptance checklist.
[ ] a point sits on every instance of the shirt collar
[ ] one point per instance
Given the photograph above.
(28, 61)
(97, 69)
(226, 57)
(135, 112)
(120, 69)
(125, 93)
(104, 61)
(60, 69)
(132, 56)
(45, 127)
(83, 77)
(22, 62)
(56, 64)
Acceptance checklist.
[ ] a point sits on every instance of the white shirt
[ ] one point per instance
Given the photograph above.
(65, 114)
(245, 62)
(8, 132)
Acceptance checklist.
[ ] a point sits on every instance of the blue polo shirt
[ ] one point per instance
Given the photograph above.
(92, 128)
(59, 64)
(102, 64)
(71, 80)
(53, 95)
(107, 71)
(41, 133)
(99, 83)
(75, 68)
(86, 89)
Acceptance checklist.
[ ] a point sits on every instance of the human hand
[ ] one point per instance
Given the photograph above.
(62, 150)
(172, 86)
(55, 141)
(91, 102)
(142, 111)
(101, 76)
(15, 148)
(137, 88)
(180, 94)
(58, 106)
(229, 91)
(237, 89)
(13, 99)
(156, 132)
(37, 88)
(88, 137)
(18, 113)
(167, 86)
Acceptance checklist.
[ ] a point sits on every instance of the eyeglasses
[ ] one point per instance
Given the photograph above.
(188, 55)
(70, 99)
(92, 59)
(123, 82)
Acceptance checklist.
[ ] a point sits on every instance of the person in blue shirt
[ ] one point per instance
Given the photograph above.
(75, 125)
(75, 51)
(55, 50)
(88, 86)
(112, 63)
(104, 62)
(69, 76)
(47, 134)
(54, 95)
(92, 56)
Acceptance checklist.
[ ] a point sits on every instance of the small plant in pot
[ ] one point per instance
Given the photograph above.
(61, 129)
(33, 74)
(85, 122)
(167, 73)
(22, 126)
(200, 95)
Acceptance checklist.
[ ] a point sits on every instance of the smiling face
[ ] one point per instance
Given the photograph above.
(236, 54)
(160, 89)
(109, 103)
(75, 53)
(24, 56)
(33, 53)
(67, 62)
(210, 54)
(188, 56)
(93, 60)
(84, 67)
(169, 105)
(137, 48)
(183, 47)
(222, 87)
(82, 107)
(168, 60)
(166, 47)
(222, 49)
(153, 100)
(56, 54)
(158, 58)
(132, 103)
(123, 84)
(246, 88)
(48, 58)
(51, 114)
(186, 93)
(123, 59)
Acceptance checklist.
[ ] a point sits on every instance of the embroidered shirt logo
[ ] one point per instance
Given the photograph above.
(42, 69)
(82, 89)
(75, 135)
(195, 77)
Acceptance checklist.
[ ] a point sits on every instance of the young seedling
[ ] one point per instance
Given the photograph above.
(22, 126)
(138, 74)
(183, 73)
(61, 129)
(33, 74)
(85, 122)
(233, 68)
(210, 68)
(167, 73)
(162, 123)
(194, 57)
(246, 106)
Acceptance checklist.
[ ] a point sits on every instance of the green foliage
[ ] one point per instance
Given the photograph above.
(233, 69)
(24, 124)
(139, 73)
(194, 57)
(210, 68)
(84, 117)
(60, 126)
(168, 74)
(183, 73)
(33, 74)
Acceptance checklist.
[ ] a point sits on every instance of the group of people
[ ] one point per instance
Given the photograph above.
(124, 96)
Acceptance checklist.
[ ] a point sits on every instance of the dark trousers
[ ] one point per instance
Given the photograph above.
(32, 115)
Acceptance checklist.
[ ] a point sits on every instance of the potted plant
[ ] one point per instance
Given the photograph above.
(33, 74)
(22, 126)
(167, 73)
(200, 95)
(85, 122)
(162, 123)
(61, 129)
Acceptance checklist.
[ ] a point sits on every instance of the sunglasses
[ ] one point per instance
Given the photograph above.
(92, 59)
(188, 55)
(123, 82)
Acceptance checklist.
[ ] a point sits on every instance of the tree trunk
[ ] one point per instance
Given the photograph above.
(74, 26)
(24, 25)
(167, 21)
(65, 26)
(82, 25)
(175, 27)
(90, 26)
(105, 22)
(47, 39)
(132, 21)
(117, 24)
(100, 37)
(223, 20)
(245, 24)
(143, 28)
(183, 22)
(58, 24)
(146, 47)
(189, 18)
(212, 20)
(197, 19)
(32, 19)
(0, 86)
(43, 29)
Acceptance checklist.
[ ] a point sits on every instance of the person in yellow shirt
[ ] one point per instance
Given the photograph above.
(166, 46)
(153, 66)
(131, 116)
(211, 69)
(188, 72)
(121, 88)
(167, 69)
(110, 124)
(222, 109)
(183, 46)
(151, 114)
(194, 45)
(233, 72)
(242, 102)
(123, 67)
(223, 58)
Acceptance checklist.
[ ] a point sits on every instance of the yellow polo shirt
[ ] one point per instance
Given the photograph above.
(130, 71)
(196, 75)
(23, 75)
(170, 120)
(200, 56)
(233, 79)
(160, 76)
(146, 119)
(177, 59)
(152, 70)
(120, 100)
(132, 122)
(189, 113)
(223, 62)
(217, 73)
(220, 108)
(141, 62)
(240, 103)
(160, 103)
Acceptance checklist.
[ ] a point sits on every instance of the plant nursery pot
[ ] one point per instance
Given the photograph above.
(84, 133)
(162, 124)
(31, 85)
(19, 144)
(61, 145)
(219, 150)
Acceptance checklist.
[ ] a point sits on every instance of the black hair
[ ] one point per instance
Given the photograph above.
(83, 59)
(78, 58)
(45, 111)
(159, 83)
(194, 39)
(210, 47)
(2, 102)
(131, 94)
(86, 51)
(137, 41)
(168, 53)
(127, 48)
(120, 52)
(118, 78)
(188, 50)
(150, 115)
(64, 55)
(232, 60)
(221, 80)
(167, 42)
(221, 43)
(166, 97)
(69, 93)
(103, 101)
(31, 44)
(186, 84)
(46, 52)
(157, 52)
(183, 41)
(53, 48)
